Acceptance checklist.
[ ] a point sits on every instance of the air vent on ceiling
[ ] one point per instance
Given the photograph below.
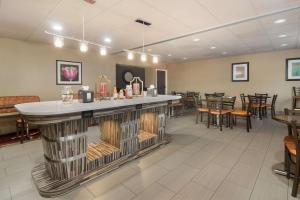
(90, 1)
(143, 22)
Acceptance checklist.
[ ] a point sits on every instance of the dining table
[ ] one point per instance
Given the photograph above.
(287, 120)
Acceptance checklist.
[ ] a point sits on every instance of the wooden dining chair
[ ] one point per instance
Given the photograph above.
(296, 96)
(216, 111)
(258, 104)
(292, 156)
(200, 109)
(271, 106)
(244, 114)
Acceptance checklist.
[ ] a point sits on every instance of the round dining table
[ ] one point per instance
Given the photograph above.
(285, 119)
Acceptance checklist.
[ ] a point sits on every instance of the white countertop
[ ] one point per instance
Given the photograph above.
(47, 108)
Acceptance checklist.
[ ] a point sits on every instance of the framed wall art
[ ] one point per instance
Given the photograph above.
(68, 72)
(292, 69)
(240, 72)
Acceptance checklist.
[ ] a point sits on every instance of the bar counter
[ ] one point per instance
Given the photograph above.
(129, 128)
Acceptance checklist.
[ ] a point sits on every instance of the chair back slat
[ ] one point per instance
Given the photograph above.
(273, 110)
(243, 100)
(295, 133)
(296, 91)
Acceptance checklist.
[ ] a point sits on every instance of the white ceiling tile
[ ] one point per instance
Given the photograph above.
(229, 10)
(19, 18)
(267, 5)
(189, 12)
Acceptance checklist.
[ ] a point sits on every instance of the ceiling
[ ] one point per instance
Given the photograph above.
(27, 20)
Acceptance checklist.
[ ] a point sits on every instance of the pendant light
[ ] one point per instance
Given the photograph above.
(58, 41)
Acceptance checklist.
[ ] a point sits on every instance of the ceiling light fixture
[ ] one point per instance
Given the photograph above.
(58, 41)
(213, 47)
(155, 59)
(284, 45)
(130, 56)
(196, 39)
(184, 58)
(169, 55)
(107, 40)
(57, 27)
(83, 43)
(143, 55)
(84, 47)
(279, 21)
(282, 36)
(103, 51)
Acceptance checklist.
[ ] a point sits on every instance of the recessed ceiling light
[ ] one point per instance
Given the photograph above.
(196, 39)
(169, 55)
(57, 27)
(184, 58)
(107, 40)
(284, 45)
(279, 21)
(224, 53)
(213, 47)
(149, 49)
(282, 36)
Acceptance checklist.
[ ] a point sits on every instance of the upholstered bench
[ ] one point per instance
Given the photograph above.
(10, 121)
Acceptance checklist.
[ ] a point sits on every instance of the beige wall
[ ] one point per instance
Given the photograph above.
(267, 74)
(29, 68)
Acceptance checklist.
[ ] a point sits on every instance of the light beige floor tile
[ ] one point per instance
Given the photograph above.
(265, 190)
(231, 191)
(266, 174)
(252, 157)
(173, 160)
(117, 193)
(242, 141)
(228, 157)
(193, 191)
(178, 178)
(155, 192)
(146, 177)
(195, 146)
(20, 189)
(183, 139)
(200, 159)
(78, 194)
(211, 176)
(5, 193)
(107, 182)
(243, 175)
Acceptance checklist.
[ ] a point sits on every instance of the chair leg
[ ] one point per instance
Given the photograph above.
(247, 119)
(250, 123)
(220, 122)
(208, 120)
(287, 163)
(201, 117)
(296, 177)
(197, 117)
(17, 130)
(22, 132)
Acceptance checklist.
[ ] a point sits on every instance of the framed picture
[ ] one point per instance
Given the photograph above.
(240, 72)
(292, 69)
(68, 72)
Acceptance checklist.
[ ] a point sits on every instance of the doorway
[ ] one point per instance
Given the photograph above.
(161, 81)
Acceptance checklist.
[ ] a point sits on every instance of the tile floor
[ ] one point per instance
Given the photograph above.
(198, 164)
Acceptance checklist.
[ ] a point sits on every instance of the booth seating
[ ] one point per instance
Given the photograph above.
(8, 112)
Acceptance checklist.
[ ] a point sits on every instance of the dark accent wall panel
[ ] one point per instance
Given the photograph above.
(122, 69)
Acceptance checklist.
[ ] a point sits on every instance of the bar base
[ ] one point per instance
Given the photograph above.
(50, 188)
